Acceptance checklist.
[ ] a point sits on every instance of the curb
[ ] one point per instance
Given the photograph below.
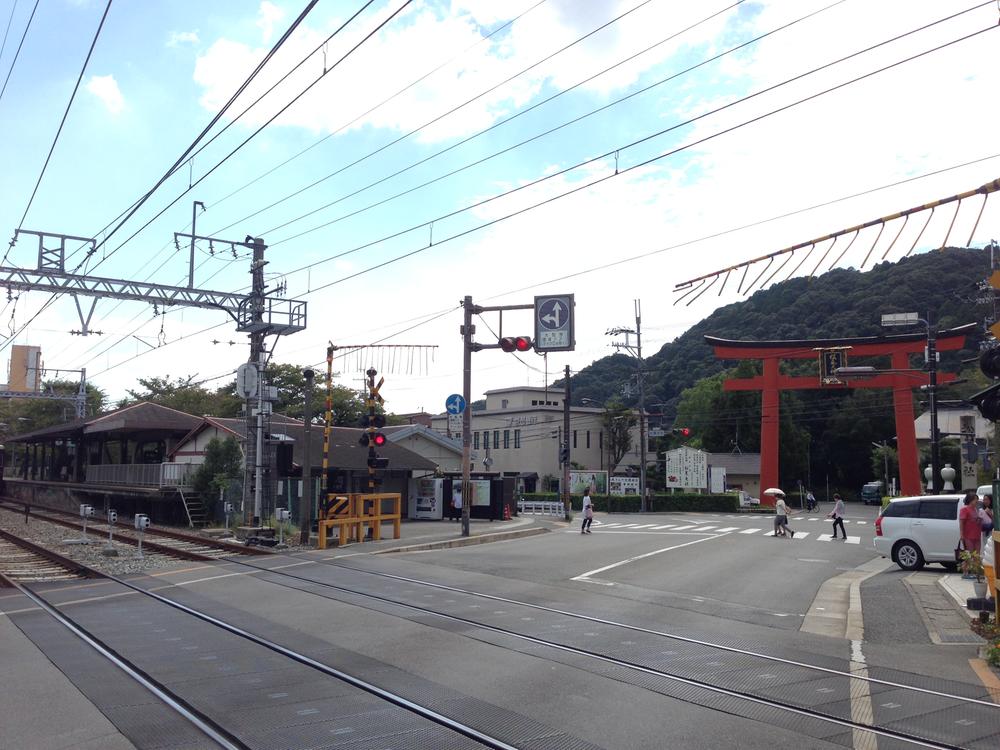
(467, 541)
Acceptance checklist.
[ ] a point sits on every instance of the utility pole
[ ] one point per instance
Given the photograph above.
(306, 501)
(636, 352)
(566, 451)
(258, 354)
(467, 330)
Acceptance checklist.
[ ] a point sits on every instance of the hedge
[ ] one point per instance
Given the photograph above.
(658, 503)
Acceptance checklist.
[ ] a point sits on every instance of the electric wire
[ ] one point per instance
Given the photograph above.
(377, 106)
(445, 114)
(603, 179)
(6, 31)
(62, 122)
(256, 132)
(526, 141)
(19, 45)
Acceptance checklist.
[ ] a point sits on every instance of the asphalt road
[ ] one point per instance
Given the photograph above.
(708, 577)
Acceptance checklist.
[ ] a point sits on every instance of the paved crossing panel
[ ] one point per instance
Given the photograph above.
(750, 531)
(703, 528)
(727, 529)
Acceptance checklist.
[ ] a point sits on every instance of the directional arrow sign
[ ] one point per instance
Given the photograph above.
(554, 329)
(454, 404)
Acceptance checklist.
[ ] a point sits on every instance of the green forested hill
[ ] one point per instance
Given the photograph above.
(838, 427)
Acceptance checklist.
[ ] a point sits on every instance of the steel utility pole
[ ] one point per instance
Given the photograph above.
(306, 501)
(636, 352)
(566, 453)
(467, 330)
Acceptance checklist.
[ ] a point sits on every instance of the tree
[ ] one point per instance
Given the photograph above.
(618, 421)
(223, 464)
(187, 396)
(347, 405)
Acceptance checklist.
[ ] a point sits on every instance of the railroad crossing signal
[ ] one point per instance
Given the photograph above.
(373, 421)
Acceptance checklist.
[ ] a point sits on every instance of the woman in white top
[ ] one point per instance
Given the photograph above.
(781, 517)
(838, 516)
(588, 512)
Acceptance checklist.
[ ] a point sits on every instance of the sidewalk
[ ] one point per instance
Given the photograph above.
(418, 536)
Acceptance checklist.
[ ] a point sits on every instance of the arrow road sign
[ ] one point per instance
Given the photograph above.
(454, 404)
(554, 323)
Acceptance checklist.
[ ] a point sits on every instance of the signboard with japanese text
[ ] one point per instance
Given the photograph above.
(624, 485)
(686, 468)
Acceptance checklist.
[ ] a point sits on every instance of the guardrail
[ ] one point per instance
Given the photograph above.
(541, 507)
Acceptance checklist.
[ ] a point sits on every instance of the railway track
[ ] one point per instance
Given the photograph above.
(22, 561)
(724, 669)
(167, 541)
(381, 711)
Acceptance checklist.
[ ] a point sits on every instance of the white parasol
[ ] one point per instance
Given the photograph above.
(774, 491)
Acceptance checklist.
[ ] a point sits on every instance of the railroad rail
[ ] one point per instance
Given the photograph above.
(714, 679)
(22, 561)
(182, 545)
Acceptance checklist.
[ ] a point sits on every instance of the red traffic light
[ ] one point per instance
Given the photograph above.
(682, 431)
(378, 439)
(516, 344)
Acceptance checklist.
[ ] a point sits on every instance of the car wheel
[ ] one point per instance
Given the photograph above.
(908, 556)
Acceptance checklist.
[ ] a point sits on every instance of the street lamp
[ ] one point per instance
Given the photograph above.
(909, 319)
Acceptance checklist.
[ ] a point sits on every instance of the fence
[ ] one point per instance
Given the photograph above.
(541, 507)
(141, 475)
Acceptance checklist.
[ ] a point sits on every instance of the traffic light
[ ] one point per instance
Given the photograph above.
(516, 344)
(682, 431)
(376, 439)
(564, 454)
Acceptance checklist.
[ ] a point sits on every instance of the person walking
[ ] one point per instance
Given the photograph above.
(781, 517)
(456, 502)
(837, 514)
(588, 512)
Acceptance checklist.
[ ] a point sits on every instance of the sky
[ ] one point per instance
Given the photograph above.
(609, 149)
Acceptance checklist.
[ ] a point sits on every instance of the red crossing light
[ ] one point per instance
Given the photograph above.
(682, 431)
(516, 344)
(378, 439)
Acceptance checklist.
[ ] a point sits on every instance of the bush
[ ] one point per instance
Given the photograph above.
(679, 502)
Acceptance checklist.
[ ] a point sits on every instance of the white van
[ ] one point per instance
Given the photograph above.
(914, 530)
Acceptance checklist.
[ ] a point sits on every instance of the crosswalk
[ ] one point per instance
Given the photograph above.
(800, 534)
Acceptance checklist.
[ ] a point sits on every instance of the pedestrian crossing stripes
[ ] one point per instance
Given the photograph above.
(711, 528)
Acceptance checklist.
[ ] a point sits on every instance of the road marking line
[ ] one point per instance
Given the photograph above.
(813, 519)
(665, 526)
(862, 523)
(679, 528)
(608, 525)
(854, 540)
(800, 535)
(587, 576)
(751, 531)
(629, 525)
(643, 526)
(728, 528)
(824, 538)
(703, 528)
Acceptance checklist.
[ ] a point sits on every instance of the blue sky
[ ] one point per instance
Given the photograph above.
(161, 70)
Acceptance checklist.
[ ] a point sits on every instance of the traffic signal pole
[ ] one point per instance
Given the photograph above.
(935, 484)
(467, 331)
(566, 454)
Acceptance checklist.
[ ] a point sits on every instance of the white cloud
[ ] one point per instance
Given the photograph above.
(178, 38)
(268, 15)
(106, 89)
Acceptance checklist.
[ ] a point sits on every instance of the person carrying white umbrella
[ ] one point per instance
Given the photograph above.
(780, 513)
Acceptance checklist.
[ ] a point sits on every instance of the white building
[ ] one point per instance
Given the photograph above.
(521, 429)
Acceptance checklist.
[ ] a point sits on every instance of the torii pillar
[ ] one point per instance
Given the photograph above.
(901, 379)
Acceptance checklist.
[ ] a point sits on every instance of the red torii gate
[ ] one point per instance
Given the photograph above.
(898, 348)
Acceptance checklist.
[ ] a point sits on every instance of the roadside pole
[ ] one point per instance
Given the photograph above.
(467, 331)
(565, 454)
(306, 501)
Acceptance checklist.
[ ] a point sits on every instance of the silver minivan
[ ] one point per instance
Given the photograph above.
(912, 531)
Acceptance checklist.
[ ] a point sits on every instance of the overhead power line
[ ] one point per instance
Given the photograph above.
(19, 44)
(618, 172)
(62, 122)
(538, 136)
(376, 107)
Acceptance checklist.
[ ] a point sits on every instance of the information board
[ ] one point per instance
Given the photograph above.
(686, 468)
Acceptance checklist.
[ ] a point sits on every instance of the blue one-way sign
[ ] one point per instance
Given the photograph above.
(454, 404)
